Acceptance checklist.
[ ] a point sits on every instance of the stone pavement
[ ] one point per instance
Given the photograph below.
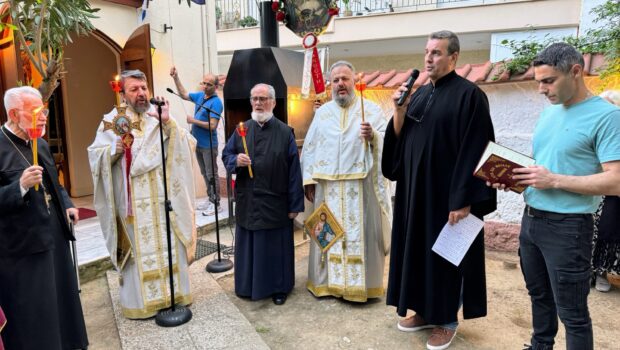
(305, 322)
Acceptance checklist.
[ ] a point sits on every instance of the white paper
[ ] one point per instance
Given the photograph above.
(454, 240)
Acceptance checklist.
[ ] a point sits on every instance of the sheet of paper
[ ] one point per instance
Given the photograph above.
(454, 240)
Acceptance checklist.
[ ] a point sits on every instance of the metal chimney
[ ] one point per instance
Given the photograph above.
(269, 35)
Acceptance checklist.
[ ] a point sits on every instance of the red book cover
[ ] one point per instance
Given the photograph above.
(497, 163)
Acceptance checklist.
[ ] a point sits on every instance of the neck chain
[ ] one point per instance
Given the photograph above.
(46, 194)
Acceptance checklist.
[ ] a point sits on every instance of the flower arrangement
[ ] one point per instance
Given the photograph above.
(279, 7)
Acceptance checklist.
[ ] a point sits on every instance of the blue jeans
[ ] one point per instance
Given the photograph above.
(556, 251)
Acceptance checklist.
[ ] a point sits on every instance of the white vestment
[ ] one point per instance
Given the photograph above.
(138, 244)
(347, 176)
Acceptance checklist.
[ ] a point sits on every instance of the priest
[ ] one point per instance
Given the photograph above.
(38, 285)
(432, 146)
(341, 163)
(269, 195)
(129, 199)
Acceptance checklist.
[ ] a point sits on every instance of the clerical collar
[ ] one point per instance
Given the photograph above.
(445, 79)
(13, 136)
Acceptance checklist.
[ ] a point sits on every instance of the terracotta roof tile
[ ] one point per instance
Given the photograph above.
(398, 79)
(463, 70)
(480, 73)
(382, 79)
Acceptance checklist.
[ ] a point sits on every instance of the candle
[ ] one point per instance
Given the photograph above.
(117, 86)
(361, 86)
(242, 130)
(34, 134)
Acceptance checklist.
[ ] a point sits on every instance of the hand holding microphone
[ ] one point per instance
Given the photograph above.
(409, 84)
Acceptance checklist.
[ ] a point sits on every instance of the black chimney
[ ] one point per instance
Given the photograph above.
(269, 35)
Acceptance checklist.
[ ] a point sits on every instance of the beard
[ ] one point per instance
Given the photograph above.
(24, 128)
(262, 117)
(343, 101)
(139, 106)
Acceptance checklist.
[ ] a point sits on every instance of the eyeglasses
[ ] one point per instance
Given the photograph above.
(262, 99)
(428, 103)
(44, 111)
(206, 83)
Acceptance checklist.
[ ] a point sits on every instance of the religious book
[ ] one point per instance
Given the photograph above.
(497, 163)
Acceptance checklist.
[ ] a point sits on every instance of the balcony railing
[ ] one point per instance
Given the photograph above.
(245, 13)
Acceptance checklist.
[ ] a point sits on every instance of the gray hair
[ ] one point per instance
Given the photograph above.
(134, 73)
(270, 89)
(13, 96)
(560, 56)
(340, 64)
(611, 95)
(453, 41)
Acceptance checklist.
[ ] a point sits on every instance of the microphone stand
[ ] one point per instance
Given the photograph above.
(219, 265)
(175, 315)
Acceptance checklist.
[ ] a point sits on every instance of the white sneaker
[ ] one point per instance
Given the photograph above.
(204, 205)
(211, 210)
(602, 284)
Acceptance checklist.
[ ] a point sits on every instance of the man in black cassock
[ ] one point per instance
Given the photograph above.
(38, 286)
(267, 203)
(432, 145)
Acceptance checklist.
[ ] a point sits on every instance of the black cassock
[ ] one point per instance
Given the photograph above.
(433, 161)
(38, 286)
(264, 246)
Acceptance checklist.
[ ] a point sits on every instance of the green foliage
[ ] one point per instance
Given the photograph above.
(44, 27)
(248, 21)
(605, 40)
(218, 12)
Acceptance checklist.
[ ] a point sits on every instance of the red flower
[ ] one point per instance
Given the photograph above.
(333, 11)
(280, 16)
(275, 6)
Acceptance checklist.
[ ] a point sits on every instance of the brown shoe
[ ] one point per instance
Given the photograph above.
(440, 338)
(413, 324)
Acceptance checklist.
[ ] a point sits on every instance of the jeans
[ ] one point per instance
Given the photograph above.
(204, 162)
(555, 253)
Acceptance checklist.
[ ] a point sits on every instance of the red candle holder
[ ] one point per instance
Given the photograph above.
(34, 133)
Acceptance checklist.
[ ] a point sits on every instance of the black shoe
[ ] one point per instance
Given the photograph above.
(279, 299)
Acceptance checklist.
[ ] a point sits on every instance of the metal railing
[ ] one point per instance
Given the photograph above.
(231, 13)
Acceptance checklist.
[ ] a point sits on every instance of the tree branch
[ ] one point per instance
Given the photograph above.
(40, 33)
(22, 41)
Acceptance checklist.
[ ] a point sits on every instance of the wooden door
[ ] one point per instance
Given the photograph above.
(137, 53)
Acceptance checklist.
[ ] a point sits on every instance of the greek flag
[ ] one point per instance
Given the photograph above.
(142, 14)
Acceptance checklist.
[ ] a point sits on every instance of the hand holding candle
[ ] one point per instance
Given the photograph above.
(242, 131)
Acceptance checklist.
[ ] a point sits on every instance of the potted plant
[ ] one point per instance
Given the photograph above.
(218, 16)
(248, 21)
(347, 8)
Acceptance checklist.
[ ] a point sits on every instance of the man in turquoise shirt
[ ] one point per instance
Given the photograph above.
(577, 151)
(204, 129)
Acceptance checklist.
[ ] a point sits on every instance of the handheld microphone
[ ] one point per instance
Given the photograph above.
(153, 101)
(410, 81)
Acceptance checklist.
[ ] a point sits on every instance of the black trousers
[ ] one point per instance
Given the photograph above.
(555, 251)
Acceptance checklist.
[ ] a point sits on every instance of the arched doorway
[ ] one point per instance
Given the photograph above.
(90, 63)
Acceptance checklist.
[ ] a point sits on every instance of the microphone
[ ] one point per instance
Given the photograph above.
(410, 81)
(172, 92)
(153, 101)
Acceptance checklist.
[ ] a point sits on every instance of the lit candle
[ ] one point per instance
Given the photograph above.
(361, 86)
(242, 130)
(117, 86)
(34, 134)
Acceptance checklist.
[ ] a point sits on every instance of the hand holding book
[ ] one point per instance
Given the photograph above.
(497, 164)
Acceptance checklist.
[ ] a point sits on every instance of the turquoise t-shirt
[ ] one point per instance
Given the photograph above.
(574, 141)
(213, 103)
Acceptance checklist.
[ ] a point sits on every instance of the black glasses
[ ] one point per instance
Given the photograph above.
(206, 83)
(428, 103)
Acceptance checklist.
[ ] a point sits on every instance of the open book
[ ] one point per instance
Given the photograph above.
(497, 163)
